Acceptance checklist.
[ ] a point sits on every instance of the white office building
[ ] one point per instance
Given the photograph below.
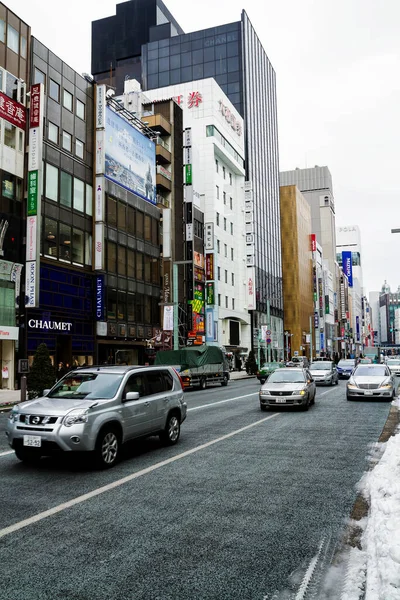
(218, 176)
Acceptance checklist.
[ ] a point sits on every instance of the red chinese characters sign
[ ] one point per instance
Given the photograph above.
(12, 111)
(34, 120)
(194, 99)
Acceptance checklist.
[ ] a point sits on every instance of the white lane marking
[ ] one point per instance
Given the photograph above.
(115, 484)
(8, 452)
(222, 401)
(327, 392)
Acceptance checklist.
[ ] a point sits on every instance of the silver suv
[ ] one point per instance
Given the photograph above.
(96, 410)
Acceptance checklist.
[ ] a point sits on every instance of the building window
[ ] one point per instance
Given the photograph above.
(230, 178)
(226, 250)
(226, 301)
(219, 273)
(139, 224)
(51, 182)
(20, 141)
(224, 224)
(121, 211)
(217, 186)
(10, 135)
(65, 243)
(233, 278)
(80, 110)
(67, 100)
(231, 228)
(111, 257)
(12, 39)
(111, 212)
(139, 266)
(231, 253)
(223, 172)
(131, 220)
(50, 242)
(217, 218)
(131, 264)
(88, 249)
(79, 195)
(122, 260)
(39, 76)
(233, 303)
(53, 133)
(224, 196)
(216, 165)
(230, 203)
(219, 299)
(79, 147)
(147, 228)
(2, 31)
(218, 246)
(78, 246)
(54, 91)
(226, 276)
(89, 200)
(66, 141)
(65, 189)
(23, 47)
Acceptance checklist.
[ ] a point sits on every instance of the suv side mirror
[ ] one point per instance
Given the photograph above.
(45, 392)
(131, 396)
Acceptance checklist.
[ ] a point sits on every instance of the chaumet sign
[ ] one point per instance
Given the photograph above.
(57, 325)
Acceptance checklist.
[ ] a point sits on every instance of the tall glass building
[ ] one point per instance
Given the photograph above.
(233, 55)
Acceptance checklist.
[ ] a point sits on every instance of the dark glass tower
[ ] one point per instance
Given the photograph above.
(233, 55)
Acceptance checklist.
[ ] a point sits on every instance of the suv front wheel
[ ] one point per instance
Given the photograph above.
(107, 448)
(172, 431)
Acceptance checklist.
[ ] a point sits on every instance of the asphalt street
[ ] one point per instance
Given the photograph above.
(237, 510)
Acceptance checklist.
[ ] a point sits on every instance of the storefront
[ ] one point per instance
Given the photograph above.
(120, 344)
(64, 321)
(8, 340)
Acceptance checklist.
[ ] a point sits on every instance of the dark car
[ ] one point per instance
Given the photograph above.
(345, 367)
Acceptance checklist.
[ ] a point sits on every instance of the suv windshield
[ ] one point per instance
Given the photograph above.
(91, 386)
(370, 371)
(321, 366)
(392, 361)
(286, 376)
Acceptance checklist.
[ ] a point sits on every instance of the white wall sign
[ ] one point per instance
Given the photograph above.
(187, 137)
(187, 156)
(189, 232)
(230, 118)
(251, 289)
(100, 153)
(8, 333)
(35, 153)
(100, 106)
(168, 322)
(101, 328)
(31, 238)
(248, 186)
(99, 202)
(209, 236)
(98, 246)
(188, 193)
(30, 284)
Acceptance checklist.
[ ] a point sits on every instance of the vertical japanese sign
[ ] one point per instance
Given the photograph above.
(347, 266)
(99, 209)
(32, 267)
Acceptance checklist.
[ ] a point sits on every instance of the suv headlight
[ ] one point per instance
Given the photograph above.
(301, 393)
(13, 416)
(75, 416)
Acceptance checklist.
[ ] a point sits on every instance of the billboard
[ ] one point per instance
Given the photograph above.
(130, 158)
(347, 266)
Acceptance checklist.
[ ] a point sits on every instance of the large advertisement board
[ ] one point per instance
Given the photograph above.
(130, 159)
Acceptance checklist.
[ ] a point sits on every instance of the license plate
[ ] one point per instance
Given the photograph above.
(35, 441)
(368, 393)
(280, 400)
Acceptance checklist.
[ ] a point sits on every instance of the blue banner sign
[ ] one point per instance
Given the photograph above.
(347, 266)
(100, 298)
(358, 328)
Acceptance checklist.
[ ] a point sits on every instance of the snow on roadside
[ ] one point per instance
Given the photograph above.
(373, 573)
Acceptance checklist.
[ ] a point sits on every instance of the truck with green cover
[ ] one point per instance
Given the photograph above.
(197, 366)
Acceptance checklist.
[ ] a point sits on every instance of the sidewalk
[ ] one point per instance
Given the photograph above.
(240, 375)
(9, 397)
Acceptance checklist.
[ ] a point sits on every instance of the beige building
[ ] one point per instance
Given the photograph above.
(296, 268)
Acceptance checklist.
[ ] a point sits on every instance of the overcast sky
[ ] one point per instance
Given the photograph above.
(337, 64)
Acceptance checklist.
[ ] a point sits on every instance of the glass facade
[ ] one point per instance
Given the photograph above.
(262, 166)
(214, 52)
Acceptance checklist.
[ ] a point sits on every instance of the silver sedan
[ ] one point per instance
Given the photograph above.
(371, 381)
(288, 387)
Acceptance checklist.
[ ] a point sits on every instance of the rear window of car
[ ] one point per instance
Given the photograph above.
(321, 366)
(370, 371)
(346, 363)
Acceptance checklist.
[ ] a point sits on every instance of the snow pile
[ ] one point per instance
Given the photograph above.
(373, 573)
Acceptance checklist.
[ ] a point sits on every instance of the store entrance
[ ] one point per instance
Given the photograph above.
(64, 350)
